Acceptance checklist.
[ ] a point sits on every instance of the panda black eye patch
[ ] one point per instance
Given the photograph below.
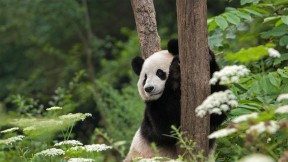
(161, 74)
(145, 78)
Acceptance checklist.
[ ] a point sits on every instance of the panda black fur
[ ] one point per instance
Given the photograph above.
(159, 86)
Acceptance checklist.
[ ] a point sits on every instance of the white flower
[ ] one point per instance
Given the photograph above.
(269, 140)
(51, 152)
(229, 74)
(213, 81)
(222, 133)
(244, 117)
(235, 79)
(29, 128)
(76, 148)
(54, 108)
(224, 107)
(273, 53)
(257, 158)
(69, 142)
(80, 160)
(215, 111)
(23, 122)
(282, 110)
(233, 103)
(32, 124)
(217, 103)
(75, 117)
(9, 130)
(97, 147)
(269, 126)
(11, 140)
(282, 97)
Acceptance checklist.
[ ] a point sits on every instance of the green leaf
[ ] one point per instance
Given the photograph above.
(254, 89)
(284, 19)
(243, 2)
(221, 22)
(248, 107)
(283, 73)
(243, 15)
(275, 32)
(216, 40)
(212, 25)
(268, 19)
(240, 111)
(253, 12)
(284, 88)
(278, 23)
(280, 2)
(278, 61)
(283, 40)
(274, 79)
(232, 18)
(265, 85)
(247, 55)
(260, 9)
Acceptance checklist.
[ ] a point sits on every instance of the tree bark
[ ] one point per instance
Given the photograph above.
(145, 18)
(195, 70)
(88, 43)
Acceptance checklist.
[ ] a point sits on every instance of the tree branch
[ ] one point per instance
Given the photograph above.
(88, 44)
(145, 18)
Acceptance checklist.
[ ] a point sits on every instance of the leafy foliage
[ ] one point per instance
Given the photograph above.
(45, 43)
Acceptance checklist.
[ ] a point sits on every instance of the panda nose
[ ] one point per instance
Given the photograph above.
(149, 89)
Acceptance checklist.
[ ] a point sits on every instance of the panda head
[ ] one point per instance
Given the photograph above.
(159, 72)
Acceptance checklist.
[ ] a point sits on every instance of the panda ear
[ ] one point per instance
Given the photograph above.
(137, 63)
(172, 46)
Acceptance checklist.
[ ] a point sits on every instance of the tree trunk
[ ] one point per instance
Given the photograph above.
(145, 18)
(195, 70)
(88, 43)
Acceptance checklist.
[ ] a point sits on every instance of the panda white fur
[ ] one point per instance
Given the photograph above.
(159, 87)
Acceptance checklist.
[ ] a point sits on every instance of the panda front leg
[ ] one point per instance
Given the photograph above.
(140, 147)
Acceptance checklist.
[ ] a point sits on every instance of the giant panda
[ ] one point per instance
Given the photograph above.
(159, 87)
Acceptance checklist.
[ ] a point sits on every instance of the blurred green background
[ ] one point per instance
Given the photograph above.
(76, 54)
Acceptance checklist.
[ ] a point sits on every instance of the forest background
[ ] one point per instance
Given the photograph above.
(75, 54)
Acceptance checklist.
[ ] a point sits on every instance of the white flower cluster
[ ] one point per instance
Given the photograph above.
(23, 122)
(54, 108)
(91, 148)
(31, 128)
(69, 142)
(216, 103)
(229, 74)
(268, 126)
(77, 148)
(282, 97)
(50, 152)
(257, 158)
(273, 53)
(282, 110)
(75, 117)
(244, 117)
(80, 160)
(34, 124)
(97, 147)
(10, 130)
(11, 140)
(222, 133)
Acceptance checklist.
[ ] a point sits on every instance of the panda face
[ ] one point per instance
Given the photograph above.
(154, 72)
